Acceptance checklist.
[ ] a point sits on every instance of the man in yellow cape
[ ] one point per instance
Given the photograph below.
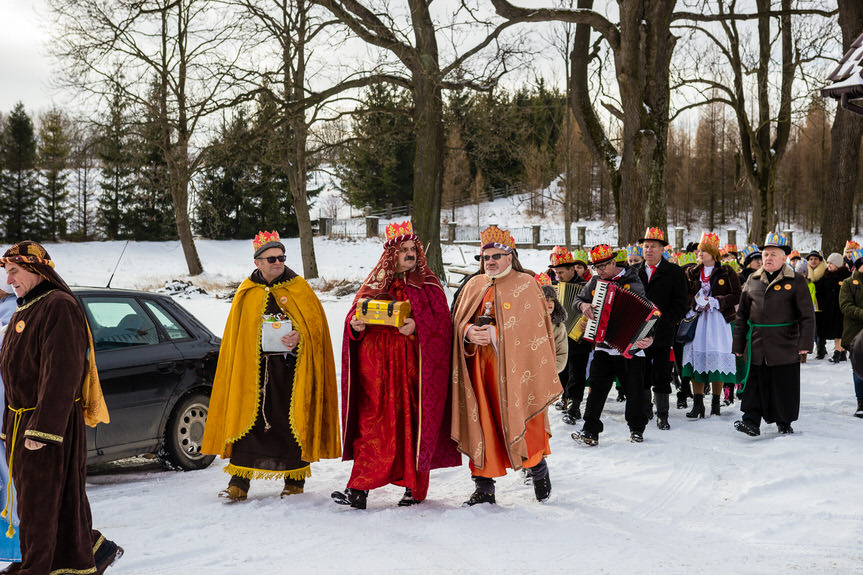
(273, 413)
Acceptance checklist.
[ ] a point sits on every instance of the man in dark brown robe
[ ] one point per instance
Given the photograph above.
(46, 365)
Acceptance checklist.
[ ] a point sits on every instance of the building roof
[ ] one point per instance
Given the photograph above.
(847, 79)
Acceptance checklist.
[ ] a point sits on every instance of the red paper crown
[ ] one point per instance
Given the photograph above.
(710, 238)
(730, 248)
(542, 279)
(265, 238)
(494, 237)
(560, 255)
(396, 233)
(794, 254)
(601, 253)
(852, 245)
(654, 234)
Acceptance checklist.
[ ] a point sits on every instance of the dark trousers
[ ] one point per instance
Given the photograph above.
(658, 369)
(574, 376)
(773, 393)
(630, 372)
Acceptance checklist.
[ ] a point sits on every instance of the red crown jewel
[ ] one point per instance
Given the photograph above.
(264, 238)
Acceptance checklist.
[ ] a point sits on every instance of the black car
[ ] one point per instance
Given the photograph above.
(156, 365)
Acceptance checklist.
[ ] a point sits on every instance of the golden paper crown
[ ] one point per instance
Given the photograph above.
(542, 279)
(601, 253)
(750, 249)
(775, 239)
(395, 230)
(710, 238)
(264, 238)
(794, 254)
(852, 245)
(634, 250)
(560, 255)
(730, 248)
(654, 234)
(493, 236)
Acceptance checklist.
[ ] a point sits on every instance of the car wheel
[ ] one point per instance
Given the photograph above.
(185, 433)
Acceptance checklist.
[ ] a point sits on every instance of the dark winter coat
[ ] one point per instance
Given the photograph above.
(784, 300)
(724, 286)
(851, 306)
(668, 291)
(829, 319)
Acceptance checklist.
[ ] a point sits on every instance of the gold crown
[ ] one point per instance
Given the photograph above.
(498, 237)
(560, 255)
(542, 279)
(710, 238)
(601, 253)
(852, 245)
(265, 238)
(654, 234)
(395, 230)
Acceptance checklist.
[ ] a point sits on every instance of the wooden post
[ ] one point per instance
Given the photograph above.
(535, 230)
(371, 227)
(790, 235)
(451, 232)
(678, 239)
(325, 226)
(581, 232)
(389, 208)
(732, 236)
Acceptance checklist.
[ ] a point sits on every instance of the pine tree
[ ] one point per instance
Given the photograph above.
(54, 148)
(117, 182)
(19, 184)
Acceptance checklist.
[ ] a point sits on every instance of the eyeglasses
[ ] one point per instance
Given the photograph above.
(601, 266)
(273, 259)
(494, 257)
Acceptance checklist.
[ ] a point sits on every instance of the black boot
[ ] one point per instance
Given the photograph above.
(356, 498)
(843, 355)
(859, 412)
(835, 358)
(408, 499)
(714, 405)
(747, 427)
(681, 399)
(822, 350)
(697, 407)
(662, 411)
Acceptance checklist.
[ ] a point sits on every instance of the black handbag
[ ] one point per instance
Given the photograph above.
(686, 329)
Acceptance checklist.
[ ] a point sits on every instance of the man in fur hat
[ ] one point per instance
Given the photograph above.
(52, 389)
(504, 372)
(273, 413)
(396, 410)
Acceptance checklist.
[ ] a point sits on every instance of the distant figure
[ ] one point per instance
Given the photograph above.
(273, 413)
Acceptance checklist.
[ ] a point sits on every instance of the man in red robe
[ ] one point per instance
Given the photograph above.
(395, 381)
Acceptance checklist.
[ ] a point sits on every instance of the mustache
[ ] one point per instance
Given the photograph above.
(410, 258)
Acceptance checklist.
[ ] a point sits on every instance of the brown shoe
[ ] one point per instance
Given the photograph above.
(291, 490)
(233, 494)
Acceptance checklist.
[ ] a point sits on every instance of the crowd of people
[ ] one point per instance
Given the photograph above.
(426, 382)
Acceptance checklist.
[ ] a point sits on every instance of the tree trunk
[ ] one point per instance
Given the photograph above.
(428, 167)
(838, 216)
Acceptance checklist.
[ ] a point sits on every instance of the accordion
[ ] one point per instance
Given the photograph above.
(621, 317)
(383, 312)
(566, 294)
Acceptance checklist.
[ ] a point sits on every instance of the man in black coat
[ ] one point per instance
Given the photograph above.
(665, 284)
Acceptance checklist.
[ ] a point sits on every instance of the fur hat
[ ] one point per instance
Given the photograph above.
(835, 259)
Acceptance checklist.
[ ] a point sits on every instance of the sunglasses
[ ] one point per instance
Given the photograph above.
(494, 257)
(601, 266)
(273, 259)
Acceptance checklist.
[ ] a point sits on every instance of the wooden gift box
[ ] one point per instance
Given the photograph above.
(383, 312)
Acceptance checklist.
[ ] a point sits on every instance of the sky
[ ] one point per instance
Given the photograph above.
(25, 68)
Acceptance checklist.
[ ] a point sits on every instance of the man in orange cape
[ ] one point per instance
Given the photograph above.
(504, 374)
(273, 413)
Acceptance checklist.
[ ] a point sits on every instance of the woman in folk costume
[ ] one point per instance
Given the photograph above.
(10, 547)
(714, 291)
(829, 322)
(273, 413)
(504, 373)
(396, 414)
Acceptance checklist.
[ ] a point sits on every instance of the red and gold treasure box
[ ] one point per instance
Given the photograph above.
(383, 312)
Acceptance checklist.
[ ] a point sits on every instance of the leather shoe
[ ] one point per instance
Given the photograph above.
(233, 494)
(106, 555)
(478, 497)
(356, 498)
(747, 427)
(408, 499)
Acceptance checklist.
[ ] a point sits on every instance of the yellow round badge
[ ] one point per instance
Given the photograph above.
(788, 287)
(855, 282)
(506, 305)
(721, 282)
(19, 327)
(283, 299)
(625, 286)
(777, 287)
(276, 325)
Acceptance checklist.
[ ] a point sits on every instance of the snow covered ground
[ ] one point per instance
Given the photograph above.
(700, 498)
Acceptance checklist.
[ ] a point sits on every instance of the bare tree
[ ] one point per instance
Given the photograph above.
(415, 46)
(180, 46)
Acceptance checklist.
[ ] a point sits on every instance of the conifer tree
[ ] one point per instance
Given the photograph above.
(54, 148)
(116, 154)
(19, 184)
